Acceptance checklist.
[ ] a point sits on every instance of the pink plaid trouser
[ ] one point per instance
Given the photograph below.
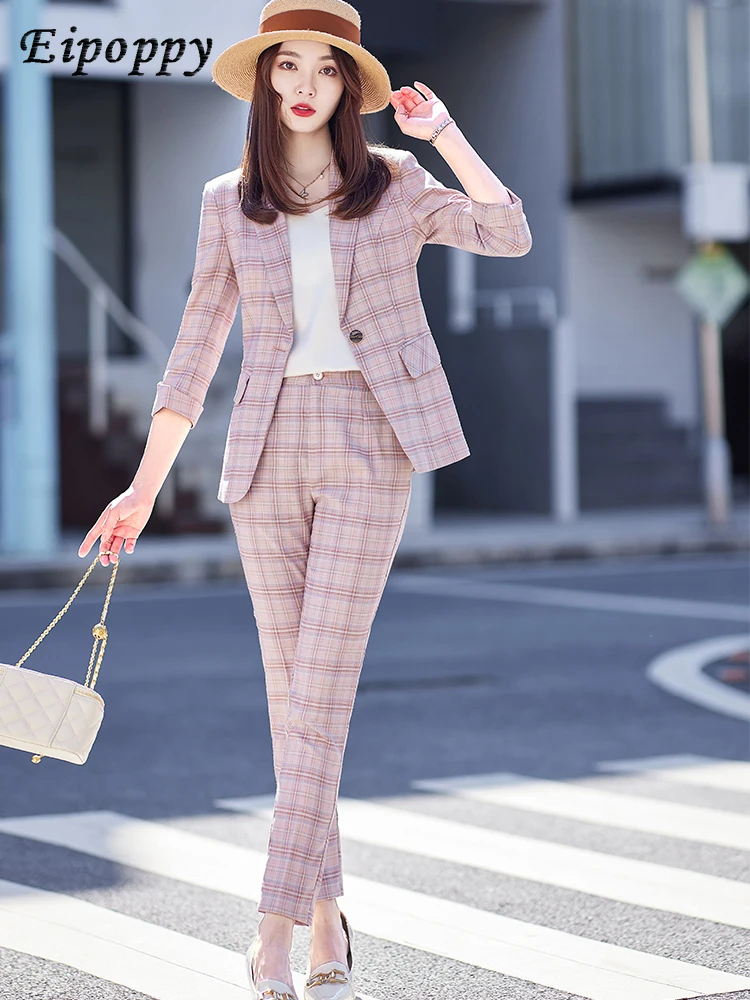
(317, 533)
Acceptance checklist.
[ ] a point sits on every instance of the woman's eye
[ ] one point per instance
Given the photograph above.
(288, 62)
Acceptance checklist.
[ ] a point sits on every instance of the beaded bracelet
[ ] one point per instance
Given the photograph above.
(439, 129)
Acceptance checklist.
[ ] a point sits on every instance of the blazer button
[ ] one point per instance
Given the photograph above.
(356, 336)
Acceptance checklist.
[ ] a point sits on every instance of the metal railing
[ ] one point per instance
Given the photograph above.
(539, 306)
(103, 302)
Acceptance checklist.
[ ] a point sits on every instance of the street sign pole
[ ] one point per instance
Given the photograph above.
(716, 458)
(716, 465)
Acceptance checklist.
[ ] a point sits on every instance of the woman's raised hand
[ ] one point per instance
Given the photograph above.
(121, 522)
(416, 115)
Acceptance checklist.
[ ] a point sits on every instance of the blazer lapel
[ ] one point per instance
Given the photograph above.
(274, 245)
(343, 233)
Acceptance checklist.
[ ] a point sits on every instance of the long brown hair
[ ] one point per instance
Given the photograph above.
(262, 188)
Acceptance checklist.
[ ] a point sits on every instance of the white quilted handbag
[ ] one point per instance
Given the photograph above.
(52, 716)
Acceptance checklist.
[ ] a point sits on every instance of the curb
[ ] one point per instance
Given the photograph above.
(162, 561)
(562, 551)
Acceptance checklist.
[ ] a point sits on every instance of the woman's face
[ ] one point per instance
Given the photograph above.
(304, 72)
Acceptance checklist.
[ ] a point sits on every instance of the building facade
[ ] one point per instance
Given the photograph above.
(574, 367)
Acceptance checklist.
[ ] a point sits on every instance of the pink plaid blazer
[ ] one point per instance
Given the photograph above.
(380, 310)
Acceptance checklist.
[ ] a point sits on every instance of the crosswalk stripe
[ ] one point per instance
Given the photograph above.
(585, 600)
(148, 958)
(600, 806)
(120, 949)
(687, 769)
(626, 880)
(591, 969)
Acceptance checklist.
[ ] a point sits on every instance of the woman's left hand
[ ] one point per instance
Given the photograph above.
(416, 115)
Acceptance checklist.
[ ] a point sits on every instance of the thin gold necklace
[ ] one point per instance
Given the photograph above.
(304, 193)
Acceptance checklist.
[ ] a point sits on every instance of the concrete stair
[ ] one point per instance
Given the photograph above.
(198, 465)
(631, 455)
(96, 469)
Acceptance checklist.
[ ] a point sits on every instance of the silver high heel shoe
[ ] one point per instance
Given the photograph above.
(329, 981)
(266, 989)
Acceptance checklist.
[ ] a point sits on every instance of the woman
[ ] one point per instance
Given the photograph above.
(341, 397)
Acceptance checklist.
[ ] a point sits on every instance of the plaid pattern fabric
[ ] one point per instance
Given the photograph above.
(317, 533)
(374, 261)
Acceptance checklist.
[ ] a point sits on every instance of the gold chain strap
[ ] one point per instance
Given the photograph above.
(99, 631)
(323, 978)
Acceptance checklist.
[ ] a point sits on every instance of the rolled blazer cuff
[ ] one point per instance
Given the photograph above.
(448, 216)
(173, 399)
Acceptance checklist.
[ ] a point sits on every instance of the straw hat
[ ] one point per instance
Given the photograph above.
(333, 21)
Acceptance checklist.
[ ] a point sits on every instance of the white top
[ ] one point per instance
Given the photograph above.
(319, 343)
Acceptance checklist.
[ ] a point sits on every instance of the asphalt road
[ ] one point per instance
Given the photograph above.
(494, 842)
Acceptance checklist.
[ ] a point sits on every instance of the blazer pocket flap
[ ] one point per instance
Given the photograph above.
(420, 354)
(241, 386)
